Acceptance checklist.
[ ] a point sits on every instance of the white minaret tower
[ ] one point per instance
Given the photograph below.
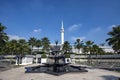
(62, 33)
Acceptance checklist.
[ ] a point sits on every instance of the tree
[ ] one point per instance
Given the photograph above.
(45, 44)
(85, 49)
(3, 37)
(66, 47)
(12, 46)
(95, 50)
(16, 47)
(101, 51)
(22, 46)
(78, 45)
(32, 42)
(38, 44)
(102, 44)
(89, 45)
(114, 39)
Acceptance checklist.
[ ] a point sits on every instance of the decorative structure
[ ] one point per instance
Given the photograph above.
(56, 64)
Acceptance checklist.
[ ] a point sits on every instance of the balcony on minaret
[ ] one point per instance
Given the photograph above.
(62, 30)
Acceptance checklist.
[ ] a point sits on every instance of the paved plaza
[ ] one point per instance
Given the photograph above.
(92, 74)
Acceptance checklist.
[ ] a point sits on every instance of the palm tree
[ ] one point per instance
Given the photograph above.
(102, 44)
(101, 51)
(85, 49)
(45, 44)
(12, 46)
(89, 45)
(114, 39)
(95, 49)
(38, 44)
(22, 46)
(66, 47)
(56, 42)
(78, 45)
(32, 42)
(8, 48)
(3, 36)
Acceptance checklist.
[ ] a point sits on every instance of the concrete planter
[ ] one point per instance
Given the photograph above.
(72, 56)
(28, 59)
(43, 60)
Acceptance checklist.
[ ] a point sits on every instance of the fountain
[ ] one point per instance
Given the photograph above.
(55, 64)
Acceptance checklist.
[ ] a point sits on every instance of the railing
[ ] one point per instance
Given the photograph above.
(98, 56)
(76, 56)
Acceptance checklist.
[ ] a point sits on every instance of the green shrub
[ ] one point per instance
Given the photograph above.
(44, 56)
(41, 52)
(67, 55)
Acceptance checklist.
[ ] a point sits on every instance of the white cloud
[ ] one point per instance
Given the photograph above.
(110, 27)
(11, 37)
(74, 27)
(81, 38)
(97, 29)
(37, 30)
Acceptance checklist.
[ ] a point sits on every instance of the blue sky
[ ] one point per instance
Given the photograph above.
(84, 19)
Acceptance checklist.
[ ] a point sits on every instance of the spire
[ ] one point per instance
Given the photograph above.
(62, 25)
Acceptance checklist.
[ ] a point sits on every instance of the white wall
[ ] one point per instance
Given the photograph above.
(107, 48)
(26, 61)
(43, 60)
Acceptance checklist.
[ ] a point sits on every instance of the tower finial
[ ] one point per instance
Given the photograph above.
(62, 24)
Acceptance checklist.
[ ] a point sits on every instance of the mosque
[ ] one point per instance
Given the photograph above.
(105, 48)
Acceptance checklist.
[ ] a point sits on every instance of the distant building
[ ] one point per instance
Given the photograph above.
(105, 48)
(76, 50)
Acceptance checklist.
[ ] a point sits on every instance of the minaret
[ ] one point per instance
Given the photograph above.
(62, 33)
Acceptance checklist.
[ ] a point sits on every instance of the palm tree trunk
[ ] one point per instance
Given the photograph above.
(79, 55)
(31, 50)
(96, 58)
(11, 57)
(90, 58)
(85, 58)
